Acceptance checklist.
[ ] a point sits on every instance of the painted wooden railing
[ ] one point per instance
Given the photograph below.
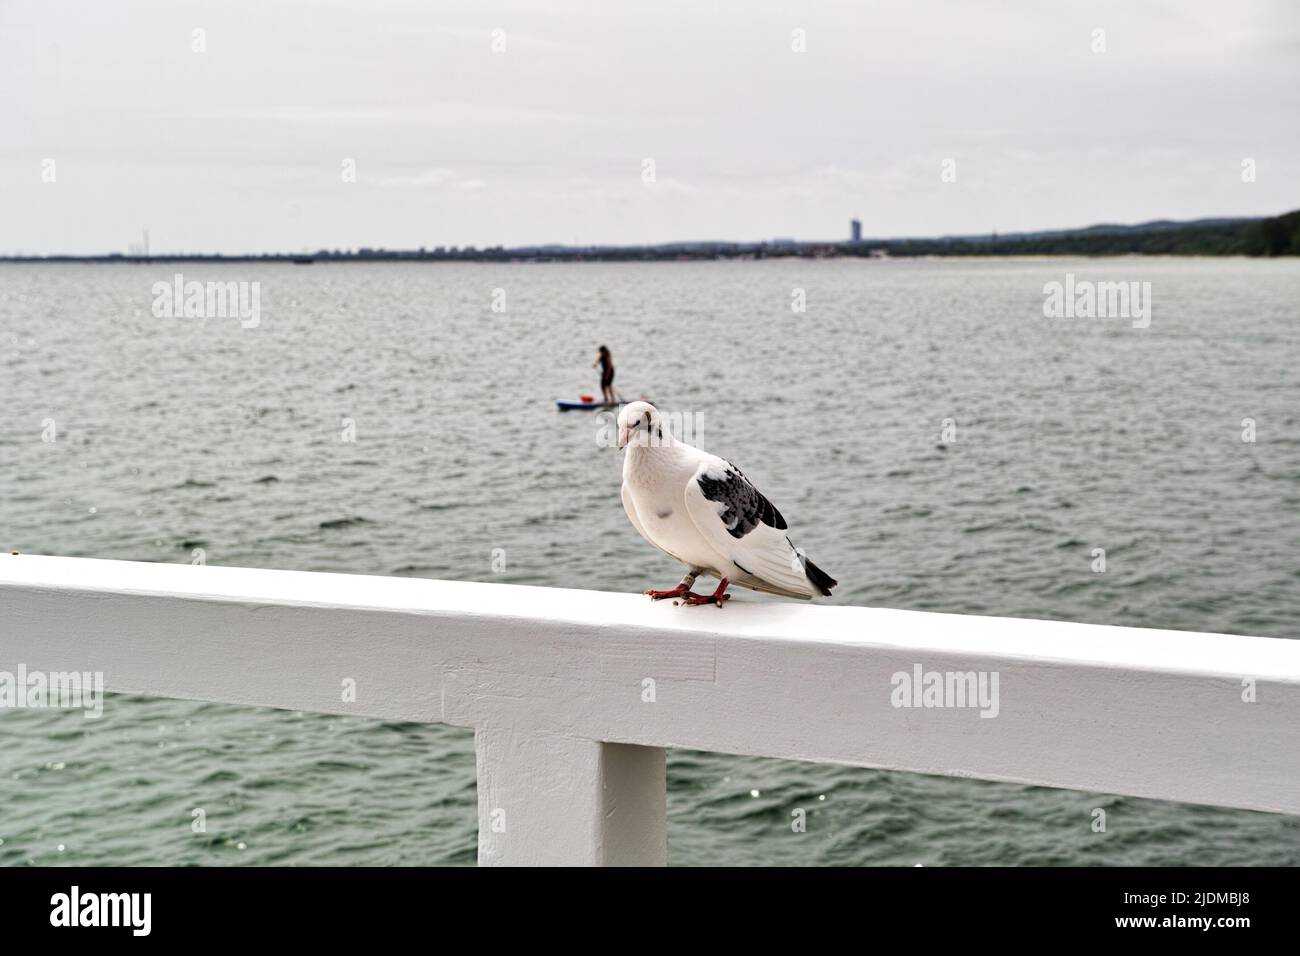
(574, 695)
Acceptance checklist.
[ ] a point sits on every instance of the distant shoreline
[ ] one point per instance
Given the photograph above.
(1273, 236)
(292, 260)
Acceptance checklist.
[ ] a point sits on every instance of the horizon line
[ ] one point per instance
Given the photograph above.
(560, 247)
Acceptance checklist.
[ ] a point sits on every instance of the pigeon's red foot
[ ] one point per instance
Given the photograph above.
(680, 591)
(717, 597)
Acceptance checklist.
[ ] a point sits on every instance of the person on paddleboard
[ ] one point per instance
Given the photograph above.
(606, 363)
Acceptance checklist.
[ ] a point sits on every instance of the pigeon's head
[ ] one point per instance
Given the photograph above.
(639, 424)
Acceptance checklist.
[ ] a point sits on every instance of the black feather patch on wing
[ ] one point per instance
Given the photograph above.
(744, 506)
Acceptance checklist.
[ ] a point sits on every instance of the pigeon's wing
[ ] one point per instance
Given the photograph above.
(742, 525)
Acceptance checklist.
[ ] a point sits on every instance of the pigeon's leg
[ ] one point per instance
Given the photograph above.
(682, 590)
(717, 597)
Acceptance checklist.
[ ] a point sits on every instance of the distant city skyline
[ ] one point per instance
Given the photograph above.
(247, 126)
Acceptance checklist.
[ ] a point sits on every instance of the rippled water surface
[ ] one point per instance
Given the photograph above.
(182, 434)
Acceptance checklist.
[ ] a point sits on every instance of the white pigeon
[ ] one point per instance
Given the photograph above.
(701, 510)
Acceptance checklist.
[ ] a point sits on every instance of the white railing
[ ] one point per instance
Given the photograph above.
(573, 695)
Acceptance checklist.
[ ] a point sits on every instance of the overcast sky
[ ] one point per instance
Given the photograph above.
(242, 147)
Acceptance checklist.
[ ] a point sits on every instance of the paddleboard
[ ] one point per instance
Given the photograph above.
(591, 406)
(584, 406)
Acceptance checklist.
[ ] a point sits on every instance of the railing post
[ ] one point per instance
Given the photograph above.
(546, 800)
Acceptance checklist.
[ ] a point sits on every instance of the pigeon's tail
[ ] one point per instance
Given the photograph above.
(819, 579)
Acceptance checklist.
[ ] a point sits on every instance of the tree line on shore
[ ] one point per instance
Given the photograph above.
(1270, 237)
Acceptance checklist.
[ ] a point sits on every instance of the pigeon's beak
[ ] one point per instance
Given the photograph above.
(622, 436)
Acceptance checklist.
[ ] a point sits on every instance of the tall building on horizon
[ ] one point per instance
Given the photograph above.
(855, 230)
